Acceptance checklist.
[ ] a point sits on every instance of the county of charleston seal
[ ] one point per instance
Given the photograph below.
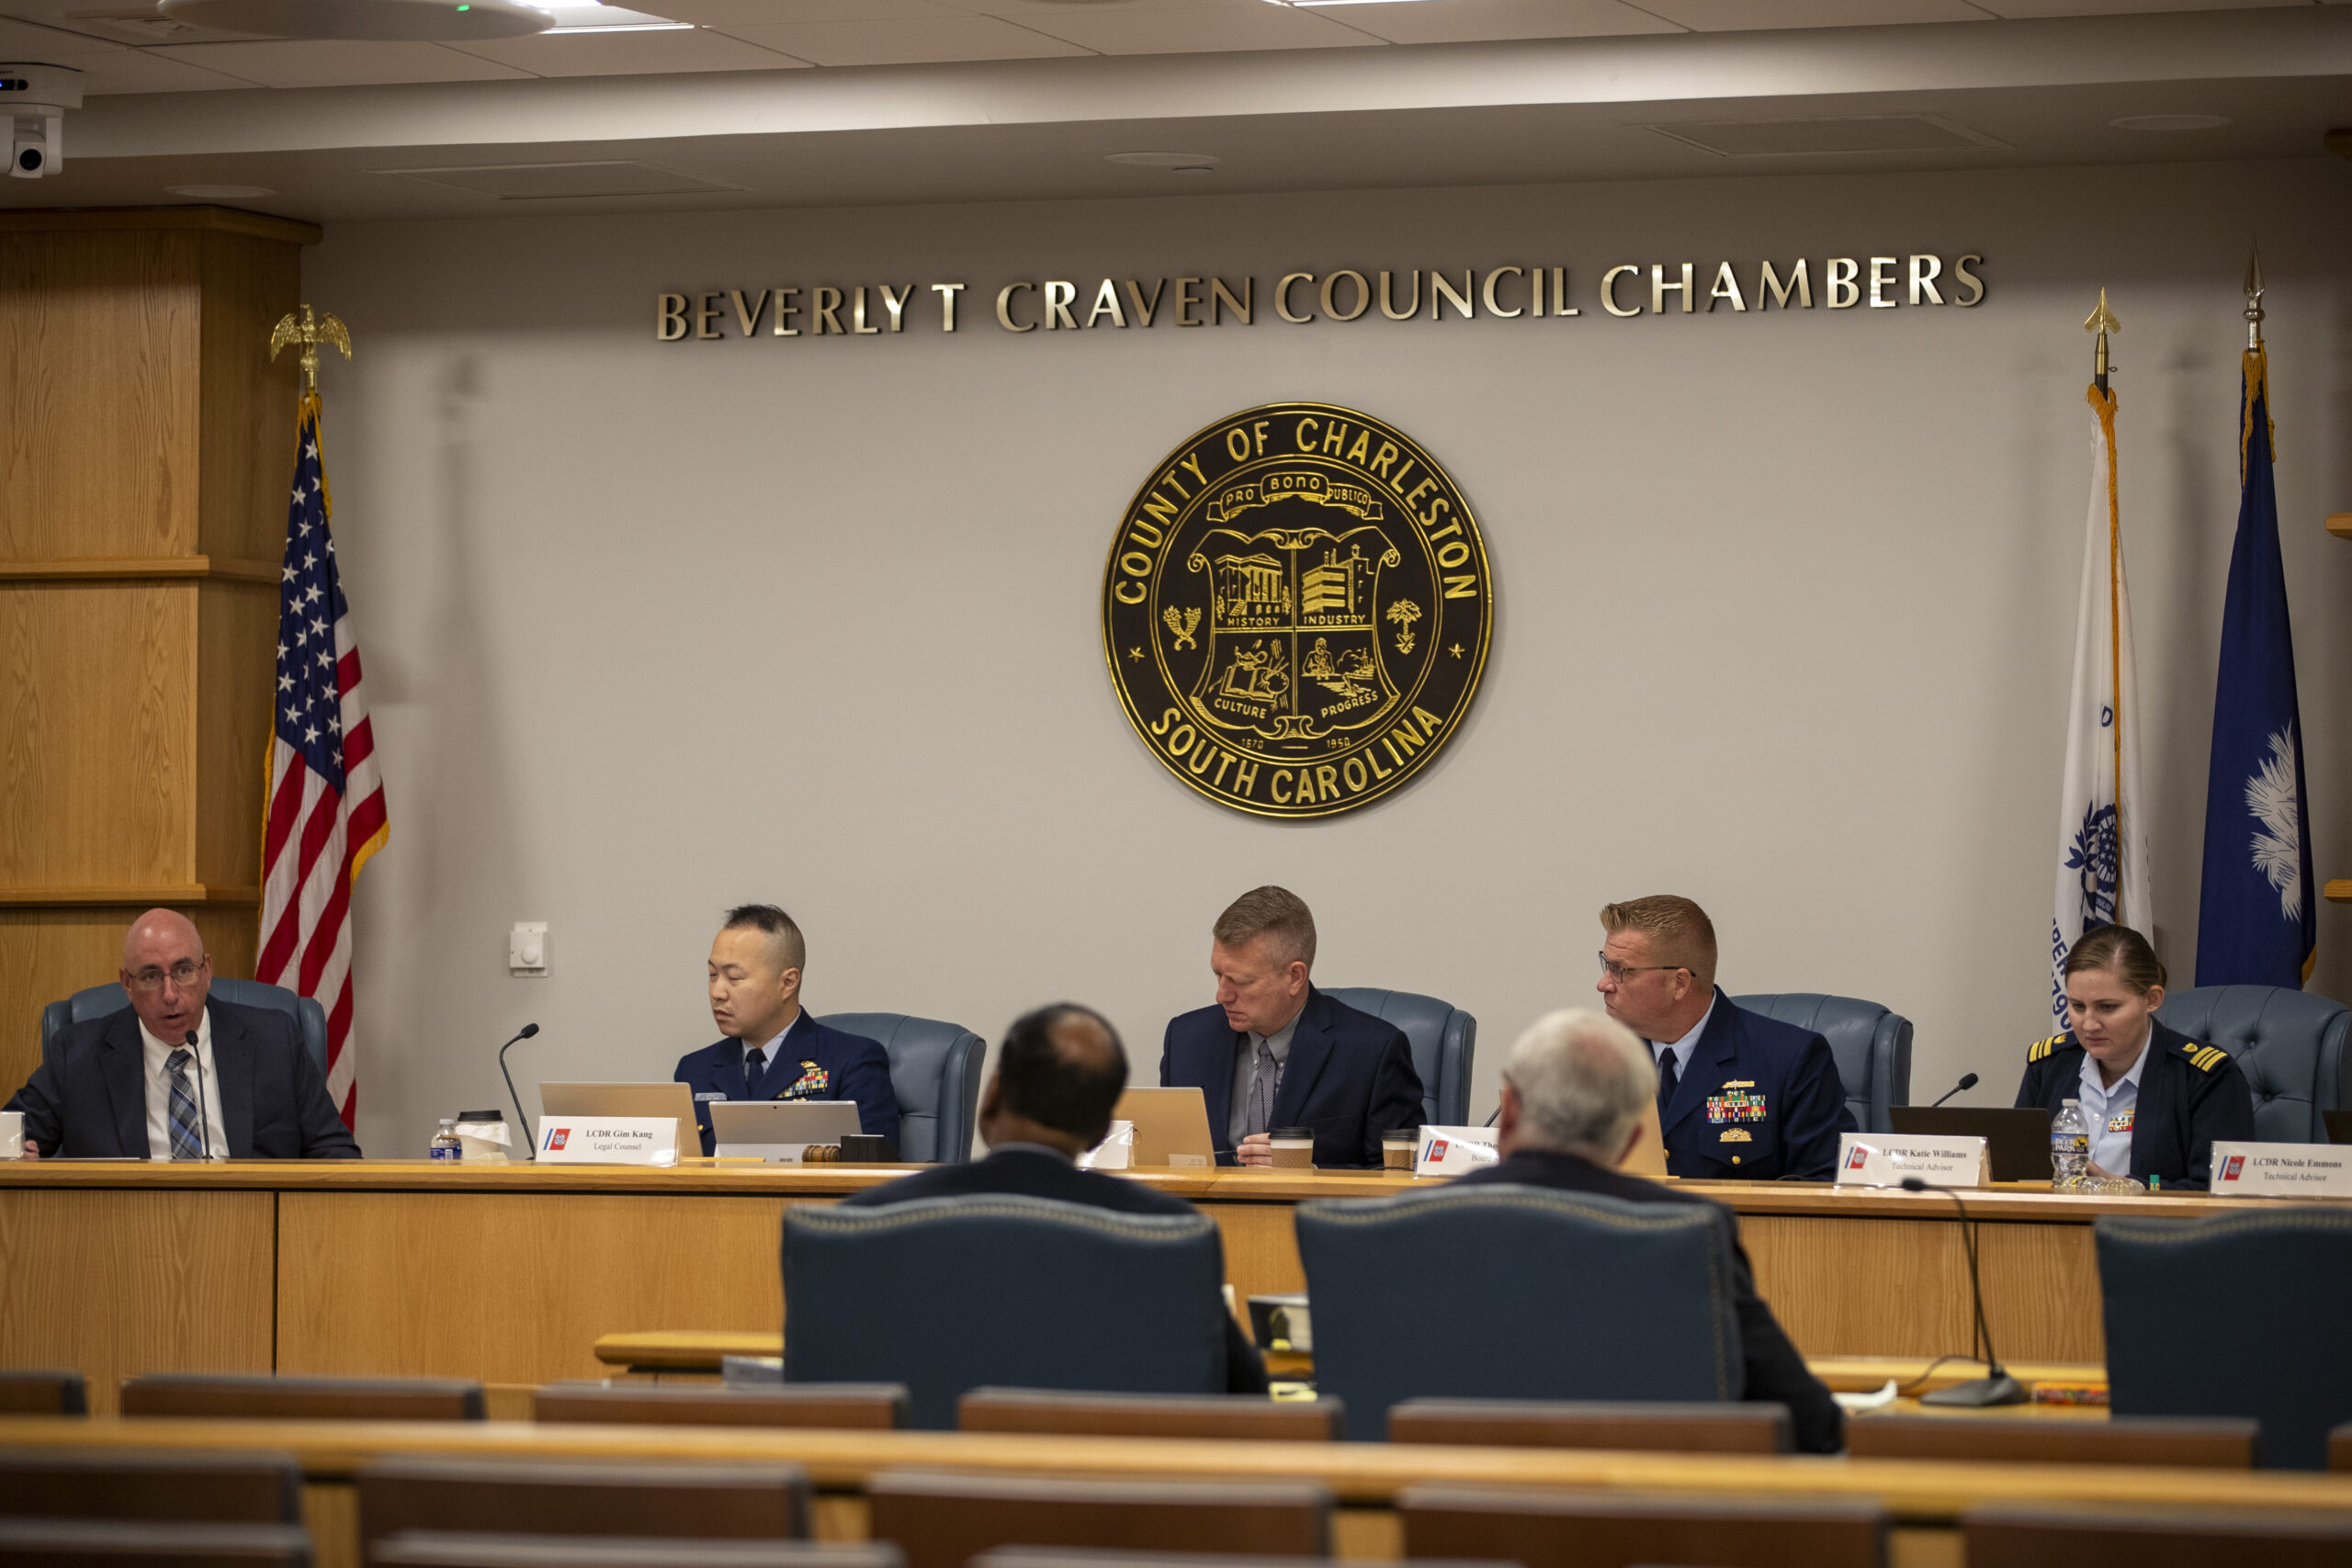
(1295, 610)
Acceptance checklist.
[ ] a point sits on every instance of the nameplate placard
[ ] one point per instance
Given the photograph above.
(2283, 1171)
(1450, 1151)
(1885, 1159)
(609, 1140)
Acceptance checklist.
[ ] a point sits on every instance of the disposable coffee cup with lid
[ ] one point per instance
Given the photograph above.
(1293, 1147)
(1397, 1147)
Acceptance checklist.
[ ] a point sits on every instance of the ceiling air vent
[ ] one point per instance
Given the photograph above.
(546, 182)
(1807, 137)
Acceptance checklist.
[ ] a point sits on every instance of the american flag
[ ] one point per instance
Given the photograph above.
(324, 814)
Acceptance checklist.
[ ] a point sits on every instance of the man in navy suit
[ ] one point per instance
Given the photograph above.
(1275, 1052)
(1741, 1097)
(1057, 1081)
(1571, 1114)
(132, 1085)
(773, 1050)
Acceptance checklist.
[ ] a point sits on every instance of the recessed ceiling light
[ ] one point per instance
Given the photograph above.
(219, 193)
(593, 17)
(2170, 123)
(1195, 161)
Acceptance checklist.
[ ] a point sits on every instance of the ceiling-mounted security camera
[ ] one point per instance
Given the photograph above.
(33, 101)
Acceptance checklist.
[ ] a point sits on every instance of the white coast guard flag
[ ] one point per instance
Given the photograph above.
(2102, 824)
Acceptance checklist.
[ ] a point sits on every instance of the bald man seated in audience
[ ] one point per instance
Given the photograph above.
(178, 1074)
(1057, 1078)
(1574, 1091)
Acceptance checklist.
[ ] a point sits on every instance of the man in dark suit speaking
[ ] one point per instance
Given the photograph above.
(1056, 1080)
(1275, 1052)
(178, 1075)
(1572, 1111)
(773, 1050)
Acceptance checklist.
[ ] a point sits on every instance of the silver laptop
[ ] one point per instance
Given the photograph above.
(779, 1128)
(623, 1099)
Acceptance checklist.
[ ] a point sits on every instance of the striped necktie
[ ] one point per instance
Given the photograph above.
(187, 1144)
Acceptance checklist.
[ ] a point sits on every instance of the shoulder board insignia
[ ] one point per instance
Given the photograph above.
(2204, 1058)
(2041, 1048)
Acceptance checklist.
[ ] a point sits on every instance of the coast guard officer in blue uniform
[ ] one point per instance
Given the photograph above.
(1741, 1097)
(773, 1049)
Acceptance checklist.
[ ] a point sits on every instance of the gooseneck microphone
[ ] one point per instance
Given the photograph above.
(1968, 1082)
(522, 1122)
(203, 1117)
(1995, 1387)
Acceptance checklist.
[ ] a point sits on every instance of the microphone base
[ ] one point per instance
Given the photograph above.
(1979, 1393)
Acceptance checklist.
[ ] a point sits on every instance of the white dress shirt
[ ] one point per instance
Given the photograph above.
(158, 1078)
(1682, 1049)
(2106, 1105)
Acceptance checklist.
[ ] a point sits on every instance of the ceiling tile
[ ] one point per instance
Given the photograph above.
(903, 43)
(2021, 8)
(144, 71)
(729, 12)
(1130, 31)
(1734, 16)
(337, 63)
(629, 54)
(1467, 21)
(29, 43)
(1030, 10)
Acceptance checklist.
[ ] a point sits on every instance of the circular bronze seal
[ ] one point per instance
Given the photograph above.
(1295, 610)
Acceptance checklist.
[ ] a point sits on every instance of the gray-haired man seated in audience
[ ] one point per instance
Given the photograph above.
(1574, 1091)
(1058, 1078)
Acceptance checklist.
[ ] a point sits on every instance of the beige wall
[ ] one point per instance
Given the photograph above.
(1785, 605)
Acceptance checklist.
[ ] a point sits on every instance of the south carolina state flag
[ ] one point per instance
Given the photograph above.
(2256, 923)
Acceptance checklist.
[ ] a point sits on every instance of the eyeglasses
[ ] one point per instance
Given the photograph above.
(182, 975)
(1621, 973)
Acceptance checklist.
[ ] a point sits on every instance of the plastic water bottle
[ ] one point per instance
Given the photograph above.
(445, 1142)
(2070, 1145)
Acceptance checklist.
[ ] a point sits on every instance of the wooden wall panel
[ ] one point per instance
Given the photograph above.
(513, 1289)
(114, 1283)
(248, 402)
(2041, 1296)
(99, 371)
(48, 954)
(98, 702)
(1865, 1287)
(236, 654)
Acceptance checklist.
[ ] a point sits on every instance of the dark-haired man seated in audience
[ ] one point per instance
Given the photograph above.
(1058, 1078)
(1574, 1090)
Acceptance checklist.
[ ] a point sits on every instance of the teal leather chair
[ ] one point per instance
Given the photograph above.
(2290, 1045)
(1872, 1044)
(950, 1294)
(98, 1001)
(935, 1073)
(1443, 1038)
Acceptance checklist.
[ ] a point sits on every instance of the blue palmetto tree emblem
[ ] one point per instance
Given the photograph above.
(2094, 858)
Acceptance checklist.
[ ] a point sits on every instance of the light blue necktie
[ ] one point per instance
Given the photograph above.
(186, 1141)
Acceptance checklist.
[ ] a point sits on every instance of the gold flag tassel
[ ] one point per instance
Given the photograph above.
(2258, 369)
(2102, 399)
(309, 330)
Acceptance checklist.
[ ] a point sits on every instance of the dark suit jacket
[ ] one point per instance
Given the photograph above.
(1760, 1100)
(1027, 1172)
(89, 1097)
(1775, 1371)
(2189, 1095)
(813, 1063)
(1350, 1077)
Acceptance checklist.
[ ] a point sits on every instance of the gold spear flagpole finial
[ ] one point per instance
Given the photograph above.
(2254, 299)
(308, 332)
(2102, 322)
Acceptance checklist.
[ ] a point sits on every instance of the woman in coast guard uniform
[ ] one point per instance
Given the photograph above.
(2153, 1099)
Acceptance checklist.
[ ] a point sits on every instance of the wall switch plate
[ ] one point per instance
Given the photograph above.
(527, 947)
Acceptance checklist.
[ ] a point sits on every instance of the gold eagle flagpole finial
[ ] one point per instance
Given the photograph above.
(2102, 322)
(301, 327)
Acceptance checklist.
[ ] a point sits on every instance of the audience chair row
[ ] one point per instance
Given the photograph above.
(418, 1512)
(1685, 1427)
